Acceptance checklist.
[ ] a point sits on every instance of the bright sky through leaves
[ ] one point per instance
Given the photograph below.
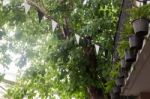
(6, 2)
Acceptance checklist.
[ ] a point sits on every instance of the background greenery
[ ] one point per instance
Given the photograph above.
(58, 66)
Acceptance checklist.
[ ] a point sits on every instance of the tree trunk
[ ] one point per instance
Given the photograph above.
(89, 50)
(95, 93)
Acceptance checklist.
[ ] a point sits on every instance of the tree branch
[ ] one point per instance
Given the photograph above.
(8, 82)
(41, 9)
(3, 88)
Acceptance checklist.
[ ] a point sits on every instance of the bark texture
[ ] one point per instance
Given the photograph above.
(95, 93)
(89, 50)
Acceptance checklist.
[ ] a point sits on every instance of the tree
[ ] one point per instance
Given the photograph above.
(59, 66)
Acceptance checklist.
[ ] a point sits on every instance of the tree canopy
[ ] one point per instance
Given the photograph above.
(58, 66)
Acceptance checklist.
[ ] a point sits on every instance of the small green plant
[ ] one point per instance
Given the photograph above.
(123, 44)
(121, 48)
(128, 30)
(113, 75)
(139, 12)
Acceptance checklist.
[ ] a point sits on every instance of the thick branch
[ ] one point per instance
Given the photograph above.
(64, 28)
(3, 88)
(8, 82)
(41, 9)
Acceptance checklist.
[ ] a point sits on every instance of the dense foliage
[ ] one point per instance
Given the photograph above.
(58, 65)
